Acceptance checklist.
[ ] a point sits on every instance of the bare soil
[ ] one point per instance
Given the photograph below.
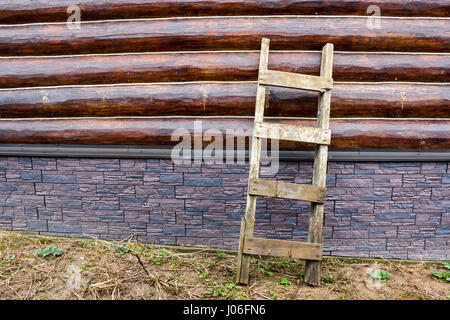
(96, 269)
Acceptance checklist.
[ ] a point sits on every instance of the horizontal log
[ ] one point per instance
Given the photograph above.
(27, 11)
(216, 66)
(348, 134)
(385, 100)
(230, 33)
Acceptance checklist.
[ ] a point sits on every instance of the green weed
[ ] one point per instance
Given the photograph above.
(221, 255)
(380, 274)
(328, 278)
(174, 288)
(44, 240)
(443, 276)
(122, 251)
(285, 282)
(221, 290)
(88, 244)
(203, 275)
(50, 252)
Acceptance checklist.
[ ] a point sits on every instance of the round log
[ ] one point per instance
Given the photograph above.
(387, 100)
(29, 11)
(230, 33)
(348, 134)
(216, 66)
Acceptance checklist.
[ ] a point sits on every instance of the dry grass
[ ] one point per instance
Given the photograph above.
(96, 269)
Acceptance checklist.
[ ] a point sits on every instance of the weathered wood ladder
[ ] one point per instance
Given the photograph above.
(310, 251)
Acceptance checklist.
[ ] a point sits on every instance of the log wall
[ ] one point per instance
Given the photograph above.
(136, 70)
(28, 11)
(227, 33)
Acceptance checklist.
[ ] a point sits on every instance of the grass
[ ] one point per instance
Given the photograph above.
(37, 267)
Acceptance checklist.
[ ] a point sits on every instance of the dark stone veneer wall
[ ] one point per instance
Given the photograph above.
(383, 209)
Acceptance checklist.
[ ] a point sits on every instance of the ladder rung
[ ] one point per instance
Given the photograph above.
(294, 80)
(280, 189)
(283, 248)
(293, 133)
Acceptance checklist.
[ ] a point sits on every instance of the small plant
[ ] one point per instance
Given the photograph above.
(221, 255)
(174, 288)
(221, 290)
(50, 252)
(328, 278)
(285, 282)
(265, 272)
(203, 275)
(122, 250)
(273, 294)
(127, 248)
(380, 274)
(159, 260)
(87, 267)
(164, 253)
(88, 244)
(44, 240)
(264, 269)
(151, 280)
(160, 257)
(443, 276)
(183, 279)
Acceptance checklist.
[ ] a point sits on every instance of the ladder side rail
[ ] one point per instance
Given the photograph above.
(313, 268)
(247, 224)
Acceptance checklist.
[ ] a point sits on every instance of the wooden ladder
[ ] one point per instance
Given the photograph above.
(310, 251)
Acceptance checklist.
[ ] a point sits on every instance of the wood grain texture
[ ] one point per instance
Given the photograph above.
(313, 268)
(230, 33)
(243, 261)
(241, 255)
(283, 248)
(295, 81)
(216, 66)
(278, 131)
(26, 11)
(351, 134)
(385, 100)
(281, 189)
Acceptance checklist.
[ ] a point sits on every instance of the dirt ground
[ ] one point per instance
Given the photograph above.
(95, 269)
